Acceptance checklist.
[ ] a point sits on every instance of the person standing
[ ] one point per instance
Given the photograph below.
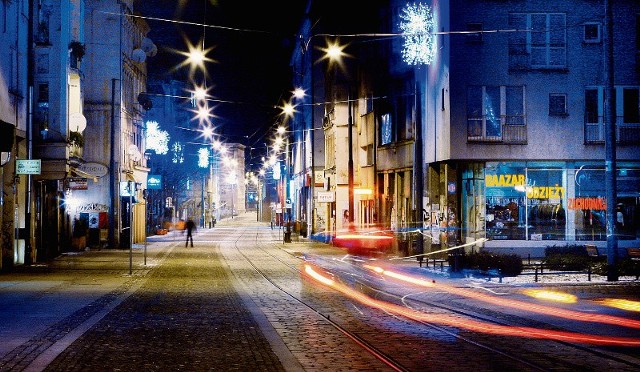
(190, 226)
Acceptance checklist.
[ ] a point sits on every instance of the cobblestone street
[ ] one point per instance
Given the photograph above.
(236, 301)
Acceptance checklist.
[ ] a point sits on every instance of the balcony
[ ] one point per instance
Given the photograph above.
(626, 133)
(511, 129)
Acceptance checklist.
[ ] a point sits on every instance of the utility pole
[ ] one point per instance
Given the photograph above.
(417, 167)
(610, 145)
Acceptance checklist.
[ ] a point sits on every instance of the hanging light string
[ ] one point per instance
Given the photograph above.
(356, 35)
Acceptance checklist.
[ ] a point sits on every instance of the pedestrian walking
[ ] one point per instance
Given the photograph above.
(190, 226)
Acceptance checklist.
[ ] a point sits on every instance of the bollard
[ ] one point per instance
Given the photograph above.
(434, 263)
(536, 275)
(529, 259)
(589, 273)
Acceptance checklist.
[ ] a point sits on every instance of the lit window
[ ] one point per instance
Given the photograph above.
(386, 129)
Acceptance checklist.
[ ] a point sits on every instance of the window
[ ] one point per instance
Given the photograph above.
(591, 32)
(494, 111)
(404, 115)
(43, 92)
(42, 114)
(557, 104)
(369, 155)
(543, 46)
(626, 114)
(5, 6)
(474, 37)
(386, 129)
(369, 102)
(631, 111)
(591, 108)
(638, 32)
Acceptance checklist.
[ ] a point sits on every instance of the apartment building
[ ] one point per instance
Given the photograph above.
(514, 124)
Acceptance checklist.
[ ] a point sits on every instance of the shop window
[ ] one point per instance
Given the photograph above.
(505, 201)
(546, 210)
(588, 204)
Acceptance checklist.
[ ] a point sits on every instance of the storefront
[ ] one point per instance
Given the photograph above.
(547, 201)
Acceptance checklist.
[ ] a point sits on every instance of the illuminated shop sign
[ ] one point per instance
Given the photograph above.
(553, 192)
(597, 204)
(505, 180)
(519, 181)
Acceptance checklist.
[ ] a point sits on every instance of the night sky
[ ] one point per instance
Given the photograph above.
(252, 66)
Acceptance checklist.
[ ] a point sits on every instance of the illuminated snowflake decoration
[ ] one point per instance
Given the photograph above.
(156, 138)
(203, 157)
(177, 153)
(417, 27)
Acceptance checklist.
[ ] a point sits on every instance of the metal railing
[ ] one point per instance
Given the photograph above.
(626, 133)
(513, 130)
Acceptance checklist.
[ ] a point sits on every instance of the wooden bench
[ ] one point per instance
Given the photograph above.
(633, 253)
(592, 250)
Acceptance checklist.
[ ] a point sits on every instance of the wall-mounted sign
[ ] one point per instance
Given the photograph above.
(28, 166)
(596, 204)
(326, 196)
(451, 187)
(154, 182)
(94, 169)
(505, 180)
(77, 183)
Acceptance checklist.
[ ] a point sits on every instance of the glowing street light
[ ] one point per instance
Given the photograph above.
(196, 57)
(299, 93)
(288, 109)
(200, 93)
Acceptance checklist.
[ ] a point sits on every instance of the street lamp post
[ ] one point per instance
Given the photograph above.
(287, 204)
(350, 161)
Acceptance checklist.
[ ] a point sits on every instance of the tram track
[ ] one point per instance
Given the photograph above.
(370, 348)
(485, 345)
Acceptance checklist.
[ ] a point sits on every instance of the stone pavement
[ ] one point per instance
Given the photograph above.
(45, 308)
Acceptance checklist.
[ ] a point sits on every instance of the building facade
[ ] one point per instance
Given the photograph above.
(116, 77)
(501, 136)
(514, 124)
(14, 102)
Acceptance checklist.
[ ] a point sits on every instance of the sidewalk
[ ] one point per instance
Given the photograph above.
(72, 292)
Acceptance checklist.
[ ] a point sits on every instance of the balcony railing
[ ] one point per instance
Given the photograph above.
(626, 133)
(512, 130)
